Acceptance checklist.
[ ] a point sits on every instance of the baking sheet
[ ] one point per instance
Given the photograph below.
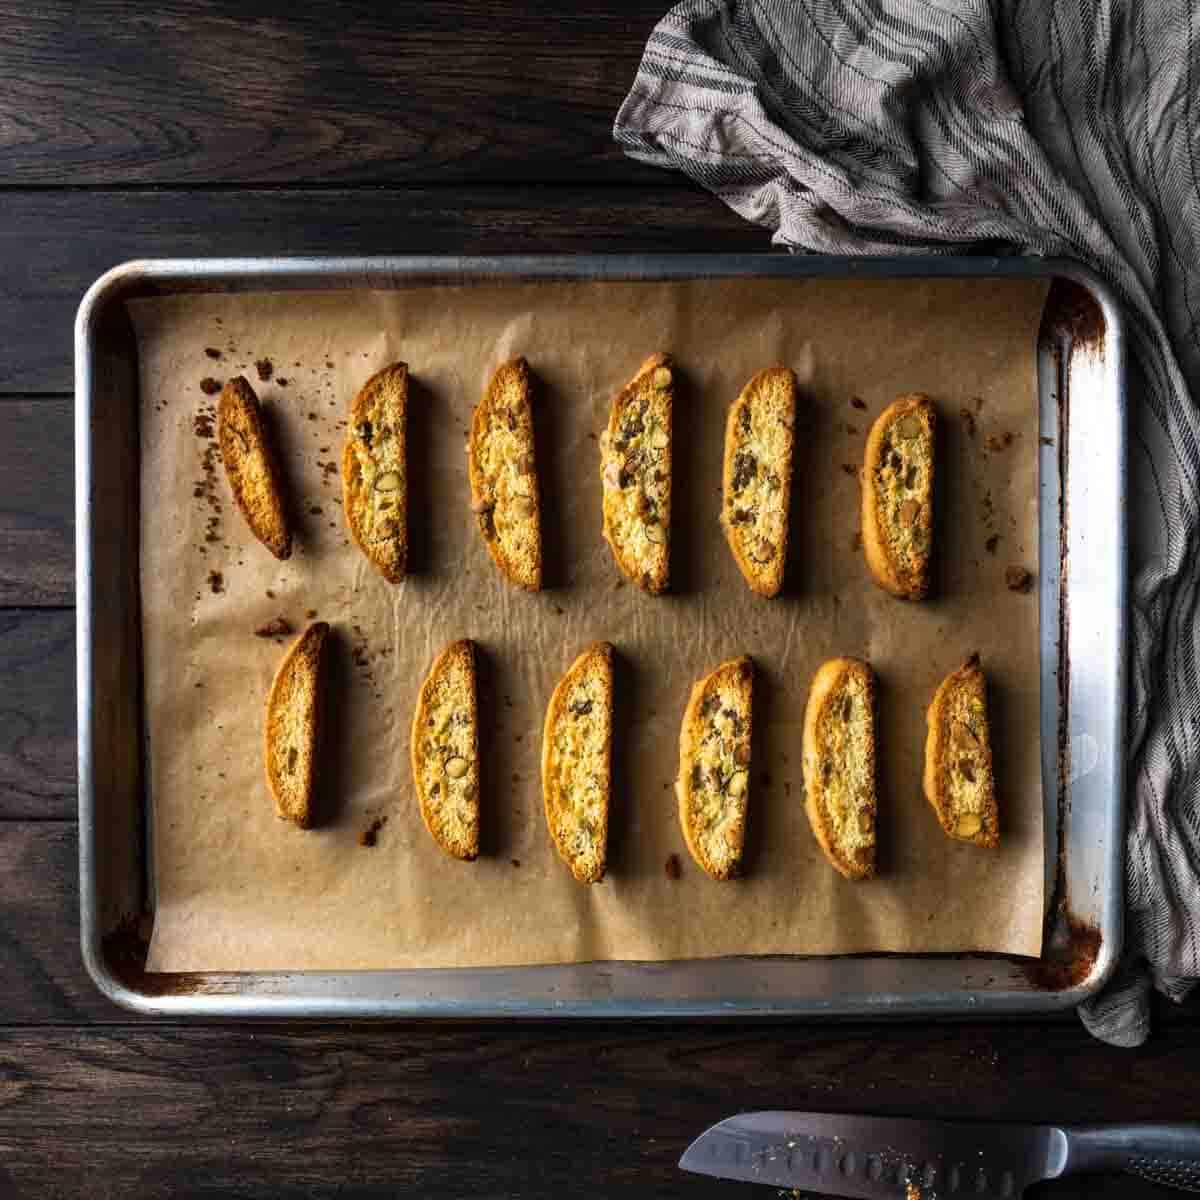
(236, 889)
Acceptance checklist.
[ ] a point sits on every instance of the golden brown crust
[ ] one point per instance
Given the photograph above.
(757, 477)
(959, 780)
(839, 765)
(503, 474)
(635, 473)
(375, 472)
(576, 763)
(251, 467)
(444, 751)
(713, 787)
(292, 726)
(898, 491)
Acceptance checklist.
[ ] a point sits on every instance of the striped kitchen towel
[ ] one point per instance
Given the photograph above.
(1052, 128)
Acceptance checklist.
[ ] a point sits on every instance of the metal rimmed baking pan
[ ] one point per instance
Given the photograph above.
(1081, 469)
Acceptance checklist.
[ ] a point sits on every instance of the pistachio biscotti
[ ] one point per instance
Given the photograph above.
(251, 466)
(713, 786)
(375, 471)
(897, 496)
(576, 762)
(636, 471)
(503, 475)
(959, 782)
(757, 477)
(839, 765)
(292, 726)
(445, 751)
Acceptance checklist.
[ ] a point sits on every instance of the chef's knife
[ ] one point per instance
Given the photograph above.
(881, 1157)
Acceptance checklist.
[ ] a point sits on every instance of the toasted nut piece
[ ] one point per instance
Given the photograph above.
(445, 752)
(576, 762)
(969, 824)
(501, 440)
(713, 787)
(251, 467)
(839, 765)
(293, 726)
(899, 467)
(636, 475)
(958, 779)
(374, 463)
(756, 477)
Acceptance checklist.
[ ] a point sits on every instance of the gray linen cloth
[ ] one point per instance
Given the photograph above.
(1045, 127)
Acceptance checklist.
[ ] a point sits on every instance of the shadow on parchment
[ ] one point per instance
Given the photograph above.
(283, 457)
(419, 467)
(334, 751)
(693, 516)
(548, 406)
(624, 798)
(493, 836)
(759, 833)
(885, 855)
(813, 447)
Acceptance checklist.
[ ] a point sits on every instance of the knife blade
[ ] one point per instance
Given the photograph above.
(877, 1157)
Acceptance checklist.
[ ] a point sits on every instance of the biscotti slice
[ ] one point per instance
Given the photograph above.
(445, 751)
(757, 480)
(959, 782)
(503, 474)
(839, 765)
(714, 767)
(293, 726)
(636, 471)
(897, 496)
(576, 762)
(375, 471)
(250, 466)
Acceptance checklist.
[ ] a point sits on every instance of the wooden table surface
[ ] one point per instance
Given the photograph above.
(199, 128)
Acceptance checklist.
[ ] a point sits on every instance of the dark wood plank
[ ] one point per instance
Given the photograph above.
(541, 1112)
(37, 716)
(42, 980)
(37, 525)
(197, 91)
(54, 244)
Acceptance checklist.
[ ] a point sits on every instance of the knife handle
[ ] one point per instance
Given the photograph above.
(1166, 1154)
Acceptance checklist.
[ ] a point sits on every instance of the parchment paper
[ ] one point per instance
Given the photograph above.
(239, 889)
